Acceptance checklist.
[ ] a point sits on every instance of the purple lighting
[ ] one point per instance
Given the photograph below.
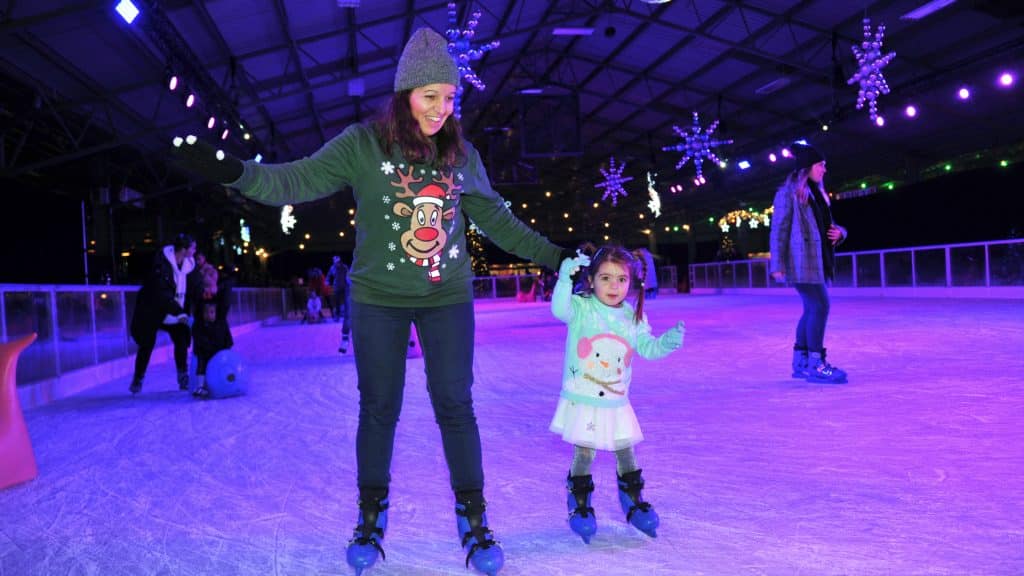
(786, 153)
(910, 111)
(772, 157)
(880, 121)
(1006, 79)
(964, 93)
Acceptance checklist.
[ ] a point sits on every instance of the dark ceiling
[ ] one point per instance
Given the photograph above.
(85, 91)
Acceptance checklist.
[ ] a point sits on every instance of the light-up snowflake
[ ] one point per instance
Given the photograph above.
(654, 205)
(287, 219)
(613, 181)
(869, 73)
(696, 145)
(460, 46)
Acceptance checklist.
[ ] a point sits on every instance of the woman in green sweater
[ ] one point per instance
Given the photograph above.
(415, 181)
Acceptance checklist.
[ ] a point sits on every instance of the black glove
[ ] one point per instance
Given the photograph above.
(206, 161)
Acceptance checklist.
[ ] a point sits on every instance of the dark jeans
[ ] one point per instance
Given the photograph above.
(381, 340)
(810, 331)
(181, 336)
(342, 302)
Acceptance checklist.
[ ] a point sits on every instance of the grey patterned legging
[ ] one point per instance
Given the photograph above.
(583, 457)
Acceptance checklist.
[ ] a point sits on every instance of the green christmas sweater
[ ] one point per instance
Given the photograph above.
(410, 219)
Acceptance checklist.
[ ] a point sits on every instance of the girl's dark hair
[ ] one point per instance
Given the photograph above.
(632, 261)
(396, 127)
(182, 241)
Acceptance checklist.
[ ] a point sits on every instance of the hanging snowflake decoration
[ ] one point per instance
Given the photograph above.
(696, 145)
(654, 205)
(869, 73)
(613, 181)
(461, 48)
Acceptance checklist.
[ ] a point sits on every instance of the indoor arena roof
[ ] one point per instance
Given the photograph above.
(81, 84)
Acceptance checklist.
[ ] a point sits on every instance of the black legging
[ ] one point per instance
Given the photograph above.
(180, 336)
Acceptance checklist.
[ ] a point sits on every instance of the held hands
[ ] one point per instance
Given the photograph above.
(571, 266)
(673, 338)
(205, 160)
(779, 276)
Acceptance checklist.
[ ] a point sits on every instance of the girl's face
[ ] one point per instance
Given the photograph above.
(431, 105)
(817, 172)
(611, 283)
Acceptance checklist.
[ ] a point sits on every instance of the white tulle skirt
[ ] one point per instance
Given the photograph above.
(599, 428)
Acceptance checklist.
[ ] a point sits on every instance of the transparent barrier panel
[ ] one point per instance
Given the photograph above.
(968, 265)
(74, 327)
(759, 274)
(727, 277)
(1006, 264)
(506, 286)
(111, 325)
(869, 270)
(899, 268)
(28, 312)
(930, 266)
(844, 271)
(742, 274)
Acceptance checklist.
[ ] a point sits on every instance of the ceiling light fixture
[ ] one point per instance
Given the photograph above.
(926, 9)
(572, 31)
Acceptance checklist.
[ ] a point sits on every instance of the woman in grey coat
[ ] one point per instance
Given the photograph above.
(803, 241)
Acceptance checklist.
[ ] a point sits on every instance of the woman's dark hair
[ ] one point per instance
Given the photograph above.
(396, 127)
(634, 262)
(182, 241)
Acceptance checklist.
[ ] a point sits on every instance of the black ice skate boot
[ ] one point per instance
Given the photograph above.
(799, 362)
(364, 546)
(581, 514)
(638, 513)
(477, 539)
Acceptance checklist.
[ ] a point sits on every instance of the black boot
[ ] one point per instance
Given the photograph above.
(477, 539)
(136, 386)
(638, 513)
(369, 532)
(581, 514)
(182, 380)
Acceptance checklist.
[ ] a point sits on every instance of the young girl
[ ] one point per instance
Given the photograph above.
(605, 333)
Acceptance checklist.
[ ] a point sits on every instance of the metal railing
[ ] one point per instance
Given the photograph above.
(993, 264)
(82, 326)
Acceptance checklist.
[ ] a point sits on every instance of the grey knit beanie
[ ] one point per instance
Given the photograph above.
(425, 60)
(806, 155)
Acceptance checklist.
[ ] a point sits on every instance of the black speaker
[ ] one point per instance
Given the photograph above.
(550, 125)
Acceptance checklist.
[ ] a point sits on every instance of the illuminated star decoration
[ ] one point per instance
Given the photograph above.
(696, 145)
(613, 181)
(287, 219)
(461, 48)
(869, 73)
(654, 205)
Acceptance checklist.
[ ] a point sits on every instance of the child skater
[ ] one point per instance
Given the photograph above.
(210, 333)
(594, 413)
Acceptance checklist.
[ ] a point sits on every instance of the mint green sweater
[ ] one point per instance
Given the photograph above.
(410, 221)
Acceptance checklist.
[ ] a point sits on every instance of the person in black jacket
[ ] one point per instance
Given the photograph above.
(211, 333)
(160, 305)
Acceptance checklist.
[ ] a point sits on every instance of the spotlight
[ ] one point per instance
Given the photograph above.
(879, 121)
(127, 10)
(964, 93)
(190, 100)
(743, 164)
(910, 111)
(786, 153)
(211, 122)
(1006, 79)
(224, 134)
(824, 127)
(772, 157)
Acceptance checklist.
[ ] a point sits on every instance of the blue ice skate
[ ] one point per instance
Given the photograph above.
(366, 540)
(581, 514)
(638, 513)
(482, 550)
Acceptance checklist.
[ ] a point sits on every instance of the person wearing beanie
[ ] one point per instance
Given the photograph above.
(803, 240)
(416, 183)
